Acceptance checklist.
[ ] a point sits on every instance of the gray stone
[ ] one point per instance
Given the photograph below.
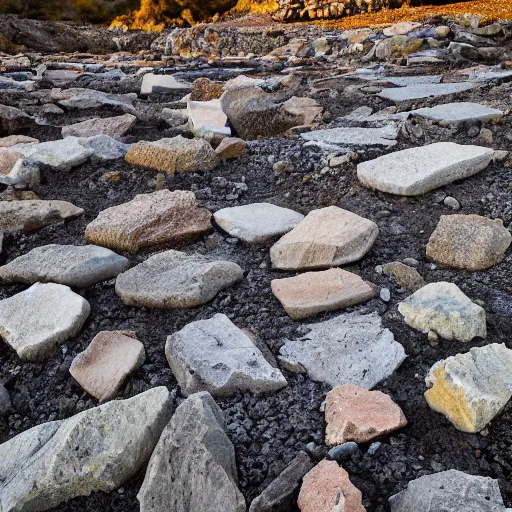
(105, 147)
(216, 356)
(114, 127)
(459, 112)
(175, 280)
(152, 83)
(96, 450)
(193, 467)
(78, 266)
(347, 349)
(5, 400)
(420, 91)
(343, 451)
(407, 81)
(13, 120)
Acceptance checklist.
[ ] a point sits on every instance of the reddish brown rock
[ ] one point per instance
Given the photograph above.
(231, 147)
(205, 90)
(12, 140)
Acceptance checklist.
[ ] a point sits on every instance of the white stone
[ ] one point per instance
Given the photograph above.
(152, 83)
(459, 112)
(420, 91)
(400, 29)
(208, 116)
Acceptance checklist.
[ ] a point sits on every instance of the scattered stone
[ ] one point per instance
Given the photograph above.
(163, 84)
(5, 400)
(400, 29)
(114, 127)
(452, 203)
(374, 447)
(486, 136)
(204, 89)
(105, 147)
(13, 140)
(385, 294)
(175, 280)
(216, 356)
(13, 120)
(444, 309)
(443, 31)
(306, 109)
(231, 148)
(459, 112)
(8, 159)
(150, 221)
(327, 237)
(207, 116)
(404, 276)
(343, 451)
(420, 91)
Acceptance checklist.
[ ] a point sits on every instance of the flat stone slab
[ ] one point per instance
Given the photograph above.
(89, 98)
(311, 293)
(12, 140)
(36, 321)
(105, 147)
(257, 223)
(459, 112)
(416, 171)
(175, 280)
(106, 363)
(152, 83)
(114, 127)
(347, 349)
(407, 81)
(471, 389)
(149, 221)
(421, 91)
(443, 308)
(230, 148)
(96, 450)
(76, 266)
(208, 116)
(216, 356)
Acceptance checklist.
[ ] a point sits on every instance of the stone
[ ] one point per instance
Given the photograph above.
(89, 98)
(231, 148)
(327, 237)
(5, 400)
(307, 109)
(468, 242)
(399, 29)
(105, 147)
(207, 116)
(114, 127)
(150, 221)
(216, 356)
(173, 155)
(355, 414)
(203, 89)
(443, 31)
(70, 265)
(96, 450)
(459, 112)
(311, 293)
(36, 321)
(278, 496)
(327, 487)
(421, 91)
(193, 467)
(452, 491)
(13, 140)
(471, 389)
(163, 84)
(175, 280)
(257, 223)
(13, 120)
(416, 171)
(452, 203)
(444, 309)
(347, 349)
(405, 276)
(106, 363)
(343, 451)
(8, 159)
(32, 215)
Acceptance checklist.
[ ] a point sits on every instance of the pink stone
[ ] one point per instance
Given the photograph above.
(12, 140)
(231, 147)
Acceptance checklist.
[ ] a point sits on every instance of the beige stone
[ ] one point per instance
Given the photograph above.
(8, 158)
(12, 140)
(307, 108)
(404, 276)
(114, 127)
(230, 148)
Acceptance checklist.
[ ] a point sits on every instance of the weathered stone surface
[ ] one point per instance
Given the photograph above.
(327, 487)
(106, 363)
(105, 147)
(149, 221)
(78, 266)
(355, 414)
(257, 223)
(207, 116)
(39, 319)
(347, 349)
(114, 127)
(444, 309)
(12, 140)
(204, 89)
(8, 159)
(306, 109)
(13, 120)
(216, 356)
(193, 467)
(418, 170)
(471, 389)
(89, 98)
(325, 238)
(468, 242)
(399, 29)
(173, 155)
(404, 276)
(164, 84)
(96, 450)
(231, 147)
(459, 112)
(175, 280)
(420, 91)
(311, 293)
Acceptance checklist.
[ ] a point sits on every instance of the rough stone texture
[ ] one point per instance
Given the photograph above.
(216, 356)
(193, 467)
(77, 266)
(459, 112)
(230, 148)
(175, 280)
(12, 140)
(325, 238)
(5, 400)
(8, 159)
(36, 321)
(89, 98)
(13, 120)
(257, 223)
(152, 83)
(105, 147)
(31, 215)
(307, 109)
(114, 127)
(311, 293)
(204, 89)
(404, 276)
(444, 309)
(96, 450)
(150, 221)
(415, 171)
(468, 242)
(327, 487)
(420, 91)
(106, 363)
(207, 116)
(355, 414)
(173, 155)
(347, 349)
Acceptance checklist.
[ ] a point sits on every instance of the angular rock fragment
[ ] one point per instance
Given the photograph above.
(105, 147)
(207, 116)
(175, 280)
(13, 120)
(420, 91)
(163, 84)
(114, 127)
(203, 89)
(8, 159)
(149, 221)
(231, 148)
(12, 140)
(96, 450)
(459, 112)
(216, 356)
(404, 276)
(193, 467)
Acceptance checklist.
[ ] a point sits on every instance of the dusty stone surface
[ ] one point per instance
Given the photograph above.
(150, 221)
(216, 356)
(311, 293)
(416, 92)
(193, 466)
(404, 276)
(355, 414)
(114, 127)
(468, 242)
(325, 238)
(204, 89)
(207, 116)
(175, 280)
(152, 84)
(459, 112)
(443, 308)
(107, 362)
(12, 140)
(230, 148)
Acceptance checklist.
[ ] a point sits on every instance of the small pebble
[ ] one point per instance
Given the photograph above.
(411, 262)
(452, 203)
(379, 269)
(433, 338)
(373, 448)
(385, 294)
(343, 451)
